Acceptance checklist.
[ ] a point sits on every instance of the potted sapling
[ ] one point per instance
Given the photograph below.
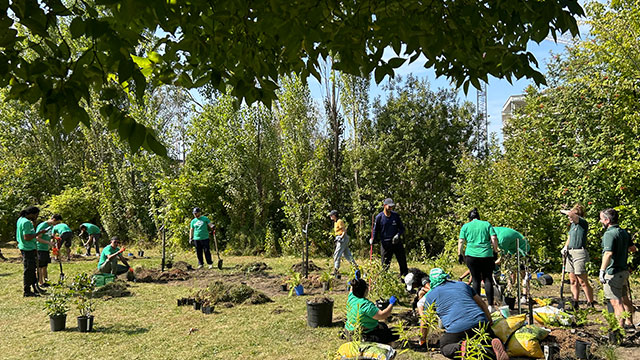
(57, 305)
(82, 289)
(208, 304)
(325, 279)
(294, 282)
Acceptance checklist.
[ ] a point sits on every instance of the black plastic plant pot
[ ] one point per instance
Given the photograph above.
(583, 349)
(85, 323)
(58, 322)
(207, 309)
(180, 302)
(320, 314)
(190, 301)
(197, 305)
(283, 287)
(141, 253)
(325, 286)
(545, 279)
(511, 302)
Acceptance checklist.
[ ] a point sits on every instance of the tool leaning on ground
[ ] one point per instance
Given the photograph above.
(57, 253)
(215, 241)
(564, 264)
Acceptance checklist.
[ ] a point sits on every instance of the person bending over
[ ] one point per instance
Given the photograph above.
(462, 311)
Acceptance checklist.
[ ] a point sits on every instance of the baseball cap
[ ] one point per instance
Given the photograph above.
(196, 210)
(389, 202)
(408, 280)
(333, 212)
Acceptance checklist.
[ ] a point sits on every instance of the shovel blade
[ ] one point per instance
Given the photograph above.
(220, 264)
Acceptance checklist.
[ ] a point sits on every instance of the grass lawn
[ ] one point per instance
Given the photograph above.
(149, 325)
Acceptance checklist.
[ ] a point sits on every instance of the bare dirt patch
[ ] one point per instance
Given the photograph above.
(299, 267)
(156, 276)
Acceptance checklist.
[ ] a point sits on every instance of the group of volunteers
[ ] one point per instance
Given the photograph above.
(37, 239)
(460, 306)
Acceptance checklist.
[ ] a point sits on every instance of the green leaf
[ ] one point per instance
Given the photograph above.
(137, 137)
(125, 127)
(77, 27)
(396, 62)
(155, 145)
(125, 69)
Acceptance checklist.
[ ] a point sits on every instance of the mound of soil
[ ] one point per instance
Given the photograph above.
(157, 276)
(181, 265)
(114, 289)
(299, 267)
(320, 300)
(234, 293)
(255, 267)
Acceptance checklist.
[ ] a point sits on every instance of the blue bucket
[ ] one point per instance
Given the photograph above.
(299, 290)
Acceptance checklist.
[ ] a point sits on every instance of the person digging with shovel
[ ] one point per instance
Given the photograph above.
(43, 246)
(342, 243)
(199, 236)
(26, 238)
(64, 233)
(577, 256)
(109, 257)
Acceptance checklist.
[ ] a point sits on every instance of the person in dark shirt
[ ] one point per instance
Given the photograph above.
(387, 229)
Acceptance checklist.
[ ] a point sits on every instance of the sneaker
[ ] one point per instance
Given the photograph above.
(97, 254)
(45, 285)
(30, 294)
(592, 304)
(498, 349)
(210, 267)
(422, 343)
(199, 266)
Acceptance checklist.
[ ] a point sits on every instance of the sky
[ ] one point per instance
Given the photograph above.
(498, 90)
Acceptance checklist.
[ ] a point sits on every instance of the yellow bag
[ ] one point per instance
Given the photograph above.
(503, 328)
(524, 343)
(365, 351)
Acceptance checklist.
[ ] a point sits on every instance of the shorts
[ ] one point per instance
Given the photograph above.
(617, 285)
(43, 258)
(576, 261)
(66, 238)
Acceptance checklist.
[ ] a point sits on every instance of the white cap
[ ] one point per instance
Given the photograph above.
(408, 280)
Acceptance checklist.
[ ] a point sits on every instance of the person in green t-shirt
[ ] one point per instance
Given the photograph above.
(93, 237)
(614, 274)
(26, 238)
(108, 263)
(361, 312)
(199, 236)
(43, 246)
(577, 256)
(480, 254)
(62, 232)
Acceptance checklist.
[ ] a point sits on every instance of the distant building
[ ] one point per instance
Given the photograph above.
(509, 108)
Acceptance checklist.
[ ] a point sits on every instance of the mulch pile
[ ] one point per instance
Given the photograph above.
(181, 265)
(232, 293)
(157, 276)
(114, 289)
(255, 267)
(299, 267)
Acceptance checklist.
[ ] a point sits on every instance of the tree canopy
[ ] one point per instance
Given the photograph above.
(249, 45)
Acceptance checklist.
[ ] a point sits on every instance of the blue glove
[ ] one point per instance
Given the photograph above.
(357, 274)
(393, 300)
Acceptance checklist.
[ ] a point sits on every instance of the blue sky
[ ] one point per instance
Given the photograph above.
(498, 90)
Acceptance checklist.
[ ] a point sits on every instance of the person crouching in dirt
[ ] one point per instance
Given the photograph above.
(462, 311)
(94, 234)
(364, 314)
(109, 257)
(415, 281)
(342, 243)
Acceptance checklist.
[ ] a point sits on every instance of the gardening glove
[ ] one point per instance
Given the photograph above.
(191, 242)
(357, 275)
(371, 241)
(460, 259)
(564, 251)
(393, 300)
(601, 277)
(396, 239)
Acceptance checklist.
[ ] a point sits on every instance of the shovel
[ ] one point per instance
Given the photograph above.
(215, 241)
(562, 302)
(57, 254)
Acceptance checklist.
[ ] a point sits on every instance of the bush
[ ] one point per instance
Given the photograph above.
(76, 205)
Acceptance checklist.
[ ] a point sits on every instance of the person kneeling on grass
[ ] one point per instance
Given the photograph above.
(108, 263)
(363, 313)
(462, 311)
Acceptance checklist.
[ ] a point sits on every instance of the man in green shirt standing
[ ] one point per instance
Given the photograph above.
(26, 238)
(43, 246)
(108, 263)
(63, 231)
(199, 235)
(614, 274)
(93, 239)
